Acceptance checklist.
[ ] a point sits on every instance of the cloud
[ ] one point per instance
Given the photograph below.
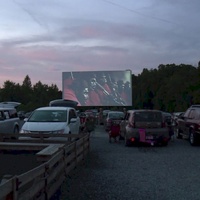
(55, 36)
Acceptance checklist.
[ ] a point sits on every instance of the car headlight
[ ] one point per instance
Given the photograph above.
(58, 131)
(24, 131)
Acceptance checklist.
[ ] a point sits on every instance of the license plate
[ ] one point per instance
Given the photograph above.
(149, 137)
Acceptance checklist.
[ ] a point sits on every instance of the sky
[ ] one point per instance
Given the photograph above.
(43, 38)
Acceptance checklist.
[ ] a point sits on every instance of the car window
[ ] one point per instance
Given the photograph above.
(116, 115)
(1, 115)
(13, 113)
(191, 114)
(72, 114)
(48, 116)
(186, 114)
(147, 116)
(6, 113)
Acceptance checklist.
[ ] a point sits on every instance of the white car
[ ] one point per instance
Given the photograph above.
(56, 120)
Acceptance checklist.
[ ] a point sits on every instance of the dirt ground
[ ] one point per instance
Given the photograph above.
(17, 163)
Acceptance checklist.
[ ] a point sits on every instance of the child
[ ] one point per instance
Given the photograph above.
(114, 131)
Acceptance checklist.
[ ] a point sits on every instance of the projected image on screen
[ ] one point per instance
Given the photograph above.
(98, 88)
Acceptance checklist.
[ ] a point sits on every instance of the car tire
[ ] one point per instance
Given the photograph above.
(192, 138)
(16, 131)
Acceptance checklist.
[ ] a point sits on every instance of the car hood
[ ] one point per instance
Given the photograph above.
(43, 126)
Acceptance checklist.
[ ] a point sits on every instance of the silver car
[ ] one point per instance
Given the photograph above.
(9, 120)
(145, 126)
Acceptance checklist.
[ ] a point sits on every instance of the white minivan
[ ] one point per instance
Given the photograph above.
(56, 120)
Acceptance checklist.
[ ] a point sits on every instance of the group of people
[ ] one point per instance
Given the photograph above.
(98, 89)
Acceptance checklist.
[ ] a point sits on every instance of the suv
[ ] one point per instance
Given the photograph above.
(9, 120)
(144, 126)
(188, 125)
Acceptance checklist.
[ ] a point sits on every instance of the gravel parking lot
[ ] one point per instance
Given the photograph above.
(113, 171)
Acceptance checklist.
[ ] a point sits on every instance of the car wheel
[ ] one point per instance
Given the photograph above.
(178, 135)
(192, 138)
(16, 131)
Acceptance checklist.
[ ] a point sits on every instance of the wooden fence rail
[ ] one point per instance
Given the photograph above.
(43, 181)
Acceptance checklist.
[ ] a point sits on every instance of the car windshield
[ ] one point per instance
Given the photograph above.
(148, 116)
(48, 116)
(116, 115)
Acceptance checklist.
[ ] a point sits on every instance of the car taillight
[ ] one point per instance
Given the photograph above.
(132, 139)
(165, 139)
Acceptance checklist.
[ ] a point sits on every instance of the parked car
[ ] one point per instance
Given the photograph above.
(176, 116)
(103, 118)
(113, 116)
(188, 125)
(144, 126)
(63, 102)
(9, 119)
(52, 120)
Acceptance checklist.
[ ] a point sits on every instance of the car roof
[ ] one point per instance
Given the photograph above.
(55, 108)
(115, 112)
(9, 104)
(167, 114)
(143, 110)
(195, 106)
(7, 108)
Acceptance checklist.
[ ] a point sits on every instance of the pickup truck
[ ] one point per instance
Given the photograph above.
(9, 120)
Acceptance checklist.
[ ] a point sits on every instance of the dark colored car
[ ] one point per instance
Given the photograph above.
(188, 125)
(145, 126)
(176, 116)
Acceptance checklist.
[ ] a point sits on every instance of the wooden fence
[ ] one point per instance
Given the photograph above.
(43, 181)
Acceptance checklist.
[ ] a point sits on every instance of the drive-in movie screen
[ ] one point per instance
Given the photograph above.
(98, 88)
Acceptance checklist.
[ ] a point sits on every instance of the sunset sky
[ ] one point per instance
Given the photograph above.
(43, 38)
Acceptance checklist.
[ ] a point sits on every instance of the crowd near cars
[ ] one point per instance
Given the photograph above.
(137, 126)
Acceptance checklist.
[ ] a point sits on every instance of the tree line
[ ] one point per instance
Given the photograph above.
(170, 88)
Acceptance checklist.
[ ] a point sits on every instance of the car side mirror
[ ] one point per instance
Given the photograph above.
(25, 119)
